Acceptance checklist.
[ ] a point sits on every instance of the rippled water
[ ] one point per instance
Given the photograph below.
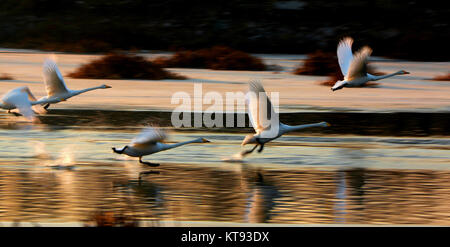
(60, 171)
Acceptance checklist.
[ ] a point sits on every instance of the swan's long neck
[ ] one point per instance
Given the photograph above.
(288, 128)
(379, 77)
(76, 92)
(170, 146)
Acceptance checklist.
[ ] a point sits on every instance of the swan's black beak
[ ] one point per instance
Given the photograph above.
(106, 86)
(117, 151)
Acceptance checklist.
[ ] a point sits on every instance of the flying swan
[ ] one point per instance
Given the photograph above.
(23, 100)
(149, 141)
(267, 126)
(354, 67)
(57, 90)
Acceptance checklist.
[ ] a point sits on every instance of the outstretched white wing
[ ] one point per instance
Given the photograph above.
(20, 98)
(358, 67)
(260, 109)
(35, 106)
(345, 55)
(54, 82)
(147, 137)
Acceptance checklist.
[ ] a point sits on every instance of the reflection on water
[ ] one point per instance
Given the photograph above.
(317, 176)
(382, 124)
(245, 194)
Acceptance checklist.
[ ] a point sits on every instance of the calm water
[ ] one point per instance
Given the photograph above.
(304, 178)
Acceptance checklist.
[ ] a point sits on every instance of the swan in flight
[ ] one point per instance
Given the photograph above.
(57, 90)
(354, 66)
(23, 100)
(149, 141)
(267, 125)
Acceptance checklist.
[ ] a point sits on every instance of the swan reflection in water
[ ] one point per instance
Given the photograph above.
(261, 195)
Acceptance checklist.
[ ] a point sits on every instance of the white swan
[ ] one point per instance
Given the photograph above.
(22, 99)
(354, 67)
(267, 127)
(149, 141)
(57, 90)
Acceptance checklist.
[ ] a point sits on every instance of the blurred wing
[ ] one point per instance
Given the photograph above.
(35, 107)
(20, 99)
(256, 98)
(345, 55)
(54, 82)
(358, 67)
(148, 136)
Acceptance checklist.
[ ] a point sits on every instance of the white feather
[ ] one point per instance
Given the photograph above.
(149, 136)
(54, 81)
(345, 55)
(263, 118)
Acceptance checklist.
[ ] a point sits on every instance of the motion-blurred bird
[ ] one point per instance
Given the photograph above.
(354, 67)
(23, 100)
(265, 121)
(57, 90)
(149, 141)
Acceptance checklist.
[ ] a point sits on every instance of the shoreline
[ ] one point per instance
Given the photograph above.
(411, 93)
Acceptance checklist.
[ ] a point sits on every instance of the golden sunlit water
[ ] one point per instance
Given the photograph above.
(57, 174)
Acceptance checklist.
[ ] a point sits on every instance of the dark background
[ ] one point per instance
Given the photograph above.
(417, 30)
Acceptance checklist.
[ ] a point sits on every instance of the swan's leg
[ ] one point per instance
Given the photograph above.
(261, 148)
(245, 152)
(146, 173)
(46, 106)
(147, 163)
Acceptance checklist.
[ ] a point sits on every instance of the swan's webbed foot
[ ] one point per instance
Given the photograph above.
(150, 164)
(147, 163)
(14, 113)
(261, 148)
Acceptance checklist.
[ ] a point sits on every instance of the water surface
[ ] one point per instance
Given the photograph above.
(305, 178)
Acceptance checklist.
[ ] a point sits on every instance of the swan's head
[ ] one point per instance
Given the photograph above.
(338, 85)
(119, 151)
(204, 140)
(201, 140)
(403, 72)
(249, 139)
(105, 86)
(325, 124)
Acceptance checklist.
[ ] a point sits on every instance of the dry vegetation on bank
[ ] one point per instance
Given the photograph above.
(217, 58)
(5, 76)
(442, 77)
(121, 66)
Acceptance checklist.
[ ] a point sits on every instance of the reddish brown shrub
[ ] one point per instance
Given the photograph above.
(319, 63)
(442, 77)
(121, 66)
(111, 219)
(5, 76)
(217, 57)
